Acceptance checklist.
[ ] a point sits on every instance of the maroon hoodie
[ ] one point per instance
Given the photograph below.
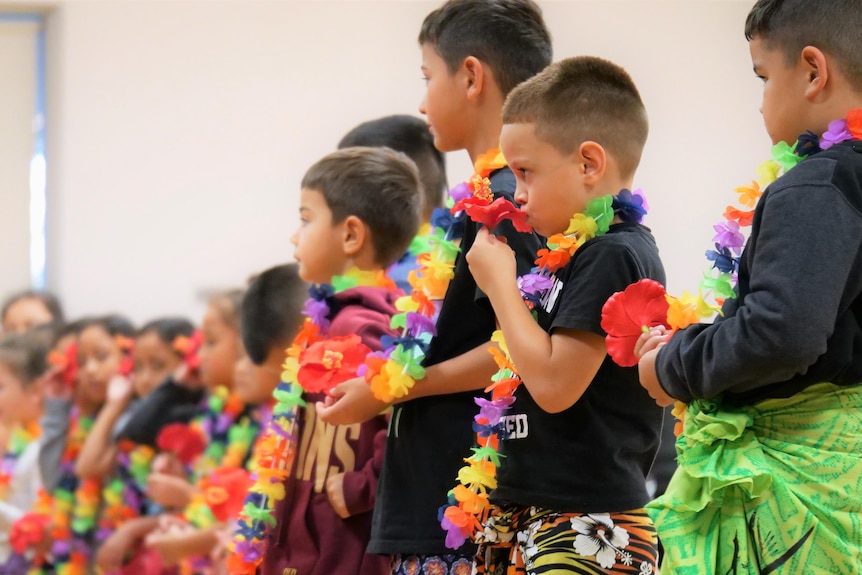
(310, 539)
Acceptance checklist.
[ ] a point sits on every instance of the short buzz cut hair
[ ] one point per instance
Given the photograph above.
(26, 354)
(379, 186)
(271, 311)
(583, 99)
(509, 36)
(833, 26)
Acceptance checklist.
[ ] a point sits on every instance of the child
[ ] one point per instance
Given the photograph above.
(473, 53)
(411, 136)
(103, 352)
(220, 419)
(30, 308)
(573, 135)
(770, 473)
(125, 464)
(360, 208)
(22, 365)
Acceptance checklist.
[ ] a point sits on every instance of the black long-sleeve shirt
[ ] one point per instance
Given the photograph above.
(797, 319)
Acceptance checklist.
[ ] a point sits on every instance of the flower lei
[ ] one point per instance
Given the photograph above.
(629, 313)
(124, 496)
(393, 372)
(76, 505)
(19, 439)
(468, 506)
(313, 363)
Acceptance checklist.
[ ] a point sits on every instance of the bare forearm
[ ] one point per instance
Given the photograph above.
(97, 453)
(467, 372)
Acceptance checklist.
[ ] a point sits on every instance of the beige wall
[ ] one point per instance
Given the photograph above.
(178, 131)
(17, 108)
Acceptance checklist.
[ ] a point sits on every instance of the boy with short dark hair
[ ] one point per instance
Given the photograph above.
(473, 53)
(770, 478)
(359, 208)
(571, 490)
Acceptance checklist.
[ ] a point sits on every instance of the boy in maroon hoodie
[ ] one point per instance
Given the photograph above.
(360, 208)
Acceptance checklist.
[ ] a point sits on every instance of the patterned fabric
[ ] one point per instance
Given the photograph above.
(774, 487)
(531, 541)
(431, 565)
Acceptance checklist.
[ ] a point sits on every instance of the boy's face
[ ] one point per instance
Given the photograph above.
(784, 103)
(18, 405)
(444, 102)
(318, 242)
(550, 185)
(255, 383)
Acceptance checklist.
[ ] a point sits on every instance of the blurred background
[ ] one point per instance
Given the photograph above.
(151, 150)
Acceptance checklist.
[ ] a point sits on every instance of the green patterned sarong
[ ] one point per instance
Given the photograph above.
(775, 487)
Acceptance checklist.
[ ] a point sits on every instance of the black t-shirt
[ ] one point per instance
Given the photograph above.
(429, 437)
(594, 456)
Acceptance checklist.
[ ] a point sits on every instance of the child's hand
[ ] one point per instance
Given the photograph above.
(490, 260)
(649, 379)
(169, 491)
(653, 339)
(335, 493)
(53, 386)
(186, 377)
(169, 540)
(120, 389)
(350, 402)
(110, 555)
(169, 464)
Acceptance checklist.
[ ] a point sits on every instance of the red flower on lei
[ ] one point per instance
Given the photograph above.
(325, 364)
(225, 491)
(627, 313)
(181, 440)
(28, 531)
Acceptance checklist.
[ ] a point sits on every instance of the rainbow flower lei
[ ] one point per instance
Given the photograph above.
(468, 506)
(393, 372)
(19, 439)
(310, 362)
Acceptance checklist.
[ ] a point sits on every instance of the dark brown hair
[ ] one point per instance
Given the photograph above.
(509, 36)
(580, 99)
(377, 185)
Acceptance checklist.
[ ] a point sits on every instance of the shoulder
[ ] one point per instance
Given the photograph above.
(839, 168)
(503, 183)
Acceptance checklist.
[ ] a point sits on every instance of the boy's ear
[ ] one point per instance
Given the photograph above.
(815, 65)
(474, 73)
(593, 160)
(355, 235)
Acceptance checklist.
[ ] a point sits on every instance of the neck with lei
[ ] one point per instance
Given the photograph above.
(468, 506)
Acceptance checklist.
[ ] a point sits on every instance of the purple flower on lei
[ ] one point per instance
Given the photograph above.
(728, 236)
(493, 410)
(838, 132)
(417, 324)
(532, 284)
(461, 192)
(318, 312)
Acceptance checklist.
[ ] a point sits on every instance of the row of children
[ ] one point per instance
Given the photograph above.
(769, 473)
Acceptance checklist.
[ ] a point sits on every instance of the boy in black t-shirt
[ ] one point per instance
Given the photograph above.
(473, 53)
(581, 433)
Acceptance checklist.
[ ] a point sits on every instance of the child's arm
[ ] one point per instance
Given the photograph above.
(176, 541)
(52, 444)
(98, 454)
(122, 542)
(541, 358)
(804, 273)
(354, 492)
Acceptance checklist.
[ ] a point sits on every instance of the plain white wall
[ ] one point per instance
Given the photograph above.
(178, 131)
(17, 107)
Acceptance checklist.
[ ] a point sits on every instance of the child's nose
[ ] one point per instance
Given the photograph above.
(294, 238)
(520, 195)
(422, 106)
